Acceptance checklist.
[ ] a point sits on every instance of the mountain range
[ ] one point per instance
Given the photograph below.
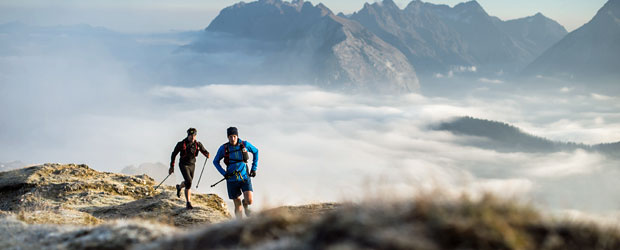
(312, 43)
(436, 38)
(381, 47)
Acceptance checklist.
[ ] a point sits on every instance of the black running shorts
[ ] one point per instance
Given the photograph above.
(188, 174)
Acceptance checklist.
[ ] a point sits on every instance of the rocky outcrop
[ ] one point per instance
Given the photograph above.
(77, 194)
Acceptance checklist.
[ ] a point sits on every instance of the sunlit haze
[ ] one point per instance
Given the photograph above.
(163, 16)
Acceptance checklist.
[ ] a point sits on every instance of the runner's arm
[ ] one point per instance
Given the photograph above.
(203, 150)
(217, 159)
(176, 151)
(254, 152)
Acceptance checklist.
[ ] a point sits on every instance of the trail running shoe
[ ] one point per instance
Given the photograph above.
(189, 205)
(178, 191)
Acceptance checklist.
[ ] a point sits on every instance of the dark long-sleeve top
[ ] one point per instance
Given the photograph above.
(189, 152)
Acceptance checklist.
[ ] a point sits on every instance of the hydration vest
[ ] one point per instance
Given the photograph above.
(184, 151)
(227, 152)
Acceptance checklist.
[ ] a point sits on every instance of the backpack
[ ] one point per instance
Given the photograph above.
(227, 152)
(184, 151)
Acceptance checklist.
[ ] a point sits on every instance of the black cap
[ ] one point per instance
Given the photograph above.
(192, 131)
(232, 131)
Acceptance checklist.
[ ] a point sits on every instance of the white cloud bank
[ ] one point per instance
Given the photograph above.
(314, 145)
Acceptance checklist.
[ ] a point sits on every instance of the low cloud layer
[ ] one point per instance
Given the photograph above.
(323, 146)
(315, 145)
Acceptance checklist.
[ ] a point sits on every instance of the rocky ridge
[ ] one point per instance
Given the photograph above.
(77, 194)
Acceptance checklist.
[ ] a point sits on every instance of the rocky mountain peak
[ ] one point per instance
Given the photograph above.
(469, 6)
(324, 9)
(539, 21)
(540, 17)
(462, 12)
(416, 6)
(383, 5)
(389, 4)
(279, 20)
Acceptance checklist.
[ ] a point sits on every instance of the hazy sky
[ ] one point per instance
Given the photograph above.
(160, 16)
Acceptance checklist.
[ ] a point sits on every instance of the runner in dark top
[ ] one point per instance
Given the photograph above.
(189, 148)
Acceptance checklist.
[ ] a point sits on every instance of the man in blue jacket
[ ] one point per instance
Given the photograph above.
(235, 155)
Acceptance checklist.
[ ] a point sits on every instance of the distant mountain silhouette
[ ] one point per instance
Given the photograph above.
(590, 52)
(503, 137)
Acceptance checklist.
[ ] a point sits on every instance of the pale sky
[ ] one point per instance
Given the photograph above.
(162, 16)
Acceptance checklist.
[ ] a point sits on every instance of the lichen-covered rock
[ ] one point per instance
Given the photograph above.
(77, 194)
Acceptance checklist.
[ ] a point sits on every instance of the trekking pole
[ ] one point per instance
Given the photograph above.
(162, 182)
(236, 172)
(218, 182)
(203, 170)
